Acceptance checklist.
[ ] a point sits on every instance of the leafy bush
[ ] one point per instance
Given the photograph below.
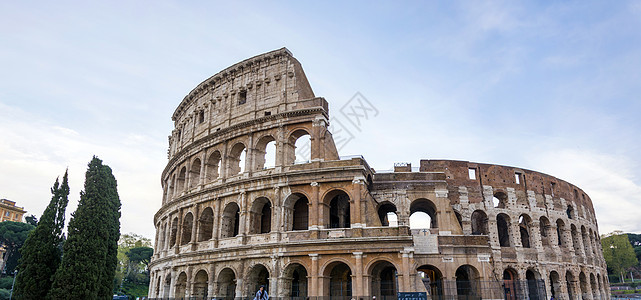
(4, 294)
(6, 282)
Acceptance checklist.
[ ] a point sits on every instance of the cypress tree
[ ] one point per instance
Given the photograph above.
(89, 260)
(41, 251)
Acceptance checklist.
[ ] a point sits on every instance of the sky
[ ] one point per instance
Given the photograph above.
(547, 86)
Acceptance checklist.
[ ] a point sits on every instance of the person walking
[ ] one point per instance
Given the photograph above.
(261, 294)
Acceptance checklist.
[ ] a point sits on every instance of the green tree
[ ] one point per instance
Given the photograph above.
(31, 219)
(618, 253)
(41, 253)
(127, 242)
(89, 260)
(12, 237)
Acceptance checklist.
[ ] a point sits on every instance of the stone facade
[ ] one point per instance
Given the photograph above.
(231, 221)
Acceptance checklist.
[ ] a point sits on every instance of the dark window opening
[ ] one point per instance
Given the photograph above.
(242, 97)
(201, 117)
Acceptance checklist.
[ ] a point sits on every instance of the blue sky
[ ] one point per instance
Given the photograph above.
(551, 87)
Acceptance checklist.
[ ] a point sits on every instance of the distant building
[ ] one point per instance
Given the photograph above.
(10, 212)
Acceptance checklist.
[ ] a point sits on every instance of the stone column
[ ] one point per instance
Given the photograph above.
(195, 228)
(216, 222)
(356, 219)
(314, 290)
(316, 215)
(358, 282)
(406, 270)
(243, 214)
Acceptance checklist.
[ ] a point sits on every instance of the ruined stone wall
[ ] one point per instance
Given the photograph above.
(327, 226)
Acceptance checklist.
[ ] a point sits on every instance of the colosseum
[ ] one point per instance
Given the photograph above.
(256, 194)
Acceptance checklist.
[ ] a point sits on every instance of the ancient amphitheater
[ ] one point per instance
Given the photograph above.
(241, 209)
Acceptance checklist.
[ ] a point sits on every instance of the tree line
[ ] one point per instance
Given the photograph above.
(82, 265)
(622, 253)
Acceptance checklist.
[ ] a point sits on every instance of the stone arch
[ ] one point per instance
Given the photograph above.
(535, 285)
(586, 241)
(387, 214)
(420, 210)
(594, 287)
(257, 276)
(555, 285)
(180, 181)
(261, 216)
(382, 279)
(524, 230)
(296, 285)
(212, 167)
(479, 222)
(500, 200)
(200, 285)
(206, 224)
(174, 232)
(236, 159)
(432, 278)
(226, 283)
(188, 223)
(467, 282)
(510, 283)
(570, 211)
(560, 229)
(194, 173)
(265, 153)
(339, 280)
(167, 286)
(339, 209)
(544, 230)
(230, 221)
(583, 285)
(569, 283)
(180, 288)
(503, 228)
(299, 148)
(296, 212)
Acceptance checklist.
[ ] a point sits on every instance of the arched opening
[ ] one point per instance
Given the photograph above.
(569, 283)
(236, 158)
(593, 287)
(387, 215)
(206, 224)
(467, 285)
(167, 287)
(300, 147)
(180, 184)
(479, 222)
(212, 167)
(432, 280)
(226, 284)
(194, 173)
(230, 221)
(570, 212)
(423, 214)
(258, 276)
(261, 216)
(340, 281)
(383, 280)
(583, 284)
(510, 278)
(339, 210)
(560, 228)
(544, 230)
(188, 222)
(503, 227)
(295, 282)
(265, 153)
(174, 232)
(555, 285)
(499, 200)
(535, 285)
(200, 285)
(296, 212)
(181, 286)
(524, 230)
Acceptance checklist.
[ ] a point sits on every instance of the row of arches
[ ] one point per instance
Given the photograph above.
(226, 222)
(336, 281)
(500, 200)
(217, 163)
